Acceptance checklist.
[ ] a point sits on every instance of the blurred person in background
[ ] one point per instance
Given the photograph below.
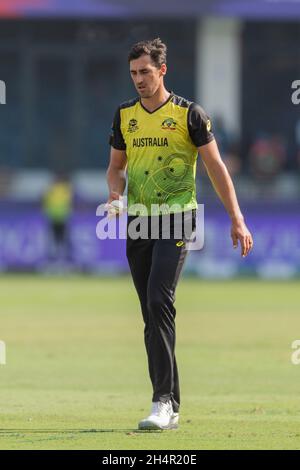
(267, 157)
(156, 138)
(222, 135)
(228, 146)
(57, 206)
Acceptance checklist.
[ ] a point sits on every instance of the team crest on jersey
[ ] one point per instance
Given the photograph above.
(132, 126)
(169, 124)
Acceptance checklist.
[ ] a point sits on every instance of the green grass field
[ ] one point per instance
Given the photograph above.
(76, 374)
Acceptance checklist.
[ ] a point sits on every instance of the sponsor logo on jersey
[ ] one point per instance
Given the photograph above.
(150, 142)
(169, 124)
(208, 125)
(132, 125)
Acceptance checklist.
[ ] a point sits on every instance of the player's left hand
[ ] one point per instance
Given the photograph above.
(240, 232)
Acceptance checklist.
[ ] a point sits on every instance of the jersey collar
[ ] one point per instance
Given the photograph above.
(159, 107)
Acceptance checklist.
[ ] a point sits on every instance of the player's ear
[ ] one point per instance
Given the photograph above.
(163, 69)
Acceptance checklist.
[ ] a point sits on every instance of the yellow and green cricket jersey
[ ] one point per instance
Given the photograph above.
(161, 148)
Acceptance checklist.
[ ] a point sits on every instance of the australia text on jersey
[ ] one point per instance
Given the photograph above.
(150, 142)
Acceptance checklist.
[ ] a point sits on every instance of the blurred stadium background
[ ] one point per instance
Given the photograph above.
(65, 68)
(75, 352)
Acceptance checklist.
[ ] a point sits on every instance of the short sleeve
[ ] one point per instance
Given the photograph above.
(199, 125)
(116, 139)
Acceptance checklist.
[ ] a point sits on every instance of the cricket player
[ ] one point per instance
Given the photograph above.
(155, 141)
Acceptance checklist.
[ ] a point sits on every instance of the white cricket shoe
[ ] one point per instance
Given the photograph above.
(174, 421)
(161, 417)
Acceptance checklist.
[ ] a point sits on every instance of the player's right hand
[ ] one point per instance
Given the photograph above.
(112, 211)
(113, 196)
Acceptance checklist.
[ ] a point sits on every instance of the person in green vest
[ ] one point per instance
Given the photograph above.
(57, 206)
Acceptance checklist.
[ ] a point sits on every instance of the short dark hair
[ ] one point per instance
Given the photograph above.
(155, 48)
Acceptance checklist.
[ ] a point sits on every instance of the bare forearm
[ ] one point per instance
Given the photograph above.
(223, 186)
(116, 180)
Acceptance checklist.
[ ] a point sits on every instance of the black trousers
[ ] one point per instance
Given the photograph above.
(155, 266)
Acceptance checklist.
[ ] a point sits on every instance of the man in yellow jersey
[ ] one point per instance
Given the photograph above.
(155, 140)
